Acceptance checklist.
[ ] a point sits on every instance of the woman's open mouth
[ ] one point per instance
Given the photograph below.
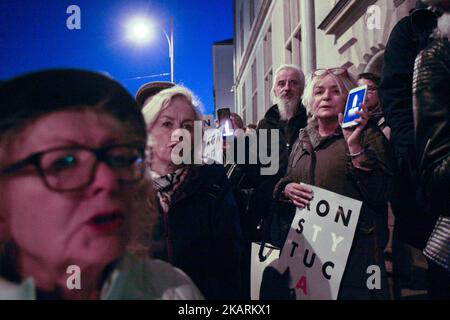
(108, 221)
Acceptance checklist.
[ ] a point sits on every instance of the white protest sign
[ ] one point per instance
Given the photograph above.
(213, 145)
(318, 245)
(257, 267)
(208, 122)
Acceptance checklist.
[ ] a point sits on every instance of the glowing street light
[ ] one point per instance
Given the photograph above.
(140, 31)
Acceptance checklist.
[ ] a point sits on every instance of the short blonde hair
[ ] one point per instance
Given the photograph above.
(161, 101)
(345, 83)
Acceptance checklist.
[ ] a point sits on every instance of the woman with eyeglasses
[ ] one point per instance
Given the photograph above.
(75, 216)
(354, 162)
(199, 227)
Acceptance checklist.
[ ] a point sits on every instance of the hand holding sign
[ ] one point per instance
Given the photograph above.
(299, 194)
(318, 244)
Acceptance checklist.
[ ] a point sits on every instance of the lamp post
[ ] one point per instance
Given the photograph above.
(140, 32)
(170, 43)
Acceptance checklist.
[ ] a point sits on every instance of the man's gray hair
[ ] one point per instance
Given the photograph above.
(294, 67)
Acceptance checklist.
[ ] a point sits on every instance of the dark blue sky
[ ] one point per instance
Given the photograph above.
(33, 35)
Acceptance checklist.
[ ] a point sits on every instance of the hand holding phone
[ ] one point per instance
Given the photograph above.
(356, 98)
(357, 118)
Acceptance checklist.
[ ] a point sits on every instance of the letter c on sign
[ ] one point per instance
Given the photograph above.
(324, 269)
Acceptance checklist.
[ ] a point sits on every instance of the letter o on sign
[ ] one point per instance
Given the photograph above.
(322, 208)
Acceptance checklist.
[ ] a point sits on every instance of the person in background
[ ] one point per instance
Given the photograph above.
(373, 101)
(354, 162)
(74, 199)
(254, 190)
(149, 89)
(251, 128)
(287, 115)
(375, 111)
(237, 122)
(432, 132)
(199, 228)
(413, 222)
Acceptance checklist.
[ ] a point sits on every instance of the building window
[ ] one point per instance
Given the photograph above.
(244, 111)
(292, 32)
(252, 12)
(268, 65)
(241, 27)
(254, 92)
(255, 107)
(268, 50)
(268, 79)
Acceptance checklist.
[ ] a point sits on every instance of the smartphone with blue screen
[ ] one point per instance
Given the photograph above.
(356, 97)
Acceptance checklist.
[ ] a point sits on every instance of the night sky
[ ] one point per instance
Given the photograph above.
(33, 35)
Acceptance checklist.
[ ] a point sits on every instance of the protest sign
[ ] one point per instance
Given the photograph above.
(318, 245)
(257, 266)
(213, 146)
(208, 122)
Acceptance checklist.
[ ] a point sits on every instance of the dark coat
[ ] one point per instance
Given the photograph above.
(432, 119)
(253, 190)
(288, 131)
(323, 162)
(410, 35)
(203, 229)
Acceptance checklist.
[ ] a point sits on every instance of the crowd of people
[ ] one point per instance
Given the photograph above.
(89, 181)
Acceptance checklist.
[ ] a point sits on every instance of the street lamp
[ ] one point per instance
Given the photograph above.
(140, 32)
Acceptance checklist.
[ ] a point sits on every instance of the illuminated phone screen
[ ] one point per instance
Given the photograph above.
(354, 101)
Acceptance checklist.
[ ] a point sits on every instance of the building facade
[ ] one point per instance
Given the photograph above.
(223, 75)
(310, 33)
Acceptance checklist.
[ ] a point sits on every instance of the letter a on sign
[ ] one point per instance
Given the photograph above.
(73, 21)
(302, 284)
(74, 280)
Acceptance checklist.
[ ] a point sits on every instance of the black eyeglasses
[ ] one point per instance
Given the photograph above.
(73, 168)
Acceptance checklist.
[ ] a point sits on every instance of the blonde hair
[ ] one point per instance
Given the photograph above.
(161, 101)
(345, 83)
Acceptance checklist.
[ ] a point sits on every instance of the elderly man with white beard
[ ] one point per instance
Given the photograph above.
(287, 114)
(252, 189)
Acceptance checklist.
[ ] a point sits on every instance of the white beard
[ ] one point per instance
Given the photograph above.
(287, 108)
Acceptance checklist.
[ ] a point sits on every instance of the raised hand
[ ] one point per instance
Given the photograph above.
(352, 135)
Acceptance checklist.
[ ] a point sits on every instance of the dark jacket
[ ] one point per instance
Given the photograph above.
(288, 131)
(261, 201)
(410, 35)
(253, 190)
(203, 230)
(432, 123)
(323, 162)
